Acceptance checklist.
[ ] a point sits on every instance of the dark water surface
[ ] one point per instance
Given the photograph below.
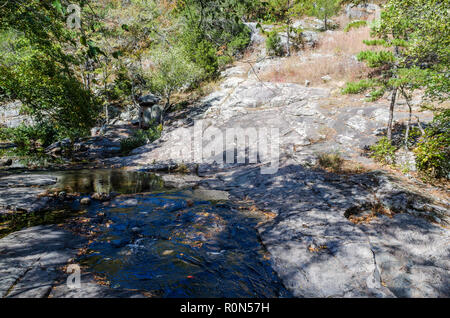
(172, 243)
(173, 247)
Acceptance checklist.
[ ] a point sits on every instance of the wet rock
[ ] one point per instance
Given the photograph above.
(179, 181)
(23, 199)
(62, 195)
(90, 288)
(208, 195)
(31, 266)
(136, 229)
(22, 192)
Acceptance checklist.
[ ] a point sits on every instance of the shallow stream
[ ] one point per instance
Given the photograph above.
(172, 242)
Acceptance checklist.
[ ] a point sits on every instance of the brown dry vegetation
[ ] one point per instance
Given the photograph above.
(334, 56)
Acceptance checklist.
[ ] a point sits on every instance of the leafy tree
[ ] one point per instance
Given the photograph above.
(42, 75)
(171, 71)
(324, 9)
(413, 38)
(433, 150)
(273, 44)
(213, 25)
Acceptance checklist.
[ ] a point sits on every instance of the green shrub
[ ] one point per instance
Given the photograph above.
(30, 140)
(355, 24)
(376, 59)
(357, 87)
(433, 150)
(122, 85)
(140, 138)
(383, 151)
(273, 44)
(375, 42)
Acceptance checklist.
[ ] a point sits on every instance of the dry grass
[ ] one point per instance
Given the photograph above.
(333, 57)
(344, 43)
(330, 161)
(376, 210)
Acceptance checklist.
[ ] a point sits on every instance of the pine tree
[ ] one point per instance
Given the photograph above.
(413, 40)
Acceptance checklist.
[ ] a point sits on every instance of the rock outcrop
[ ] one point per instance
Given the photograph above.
(24, 192)
(320, 250)
(11, 116)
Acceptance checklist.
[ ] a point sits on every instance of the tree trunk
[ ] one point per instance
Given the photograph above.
(391, 113)
(288, 22)
(164, 110)
(136, 104)
(408, 127)
(288, 46)
(422, 131)
(106, 114)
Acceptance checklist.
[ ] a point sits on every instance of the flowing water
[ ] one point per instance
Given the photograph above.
(173, 243)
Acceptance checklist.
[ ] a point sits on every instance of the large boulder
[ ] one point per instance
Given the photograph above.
(361, 10)
(149, 100)
(11, 116)
(310, 38)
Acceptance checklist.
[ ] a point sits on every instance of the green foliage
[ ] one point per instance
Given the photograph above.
(376, 59)
(325, 9)
(355, 24)
(416, 36)
(375, 42)
(172, 71)
(201, 52)
(273, 44)
(420, 28)
(140, 138)
(122, 85)
(37, 64)
(282, 10)
(358, 87)
(50, 94)
(383, 151)
(213, 32)
(433, 150)
(239, 42)
(30, 140)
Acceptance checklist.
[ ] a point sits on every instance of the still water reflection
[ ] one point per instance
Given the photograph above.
(107, 181)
